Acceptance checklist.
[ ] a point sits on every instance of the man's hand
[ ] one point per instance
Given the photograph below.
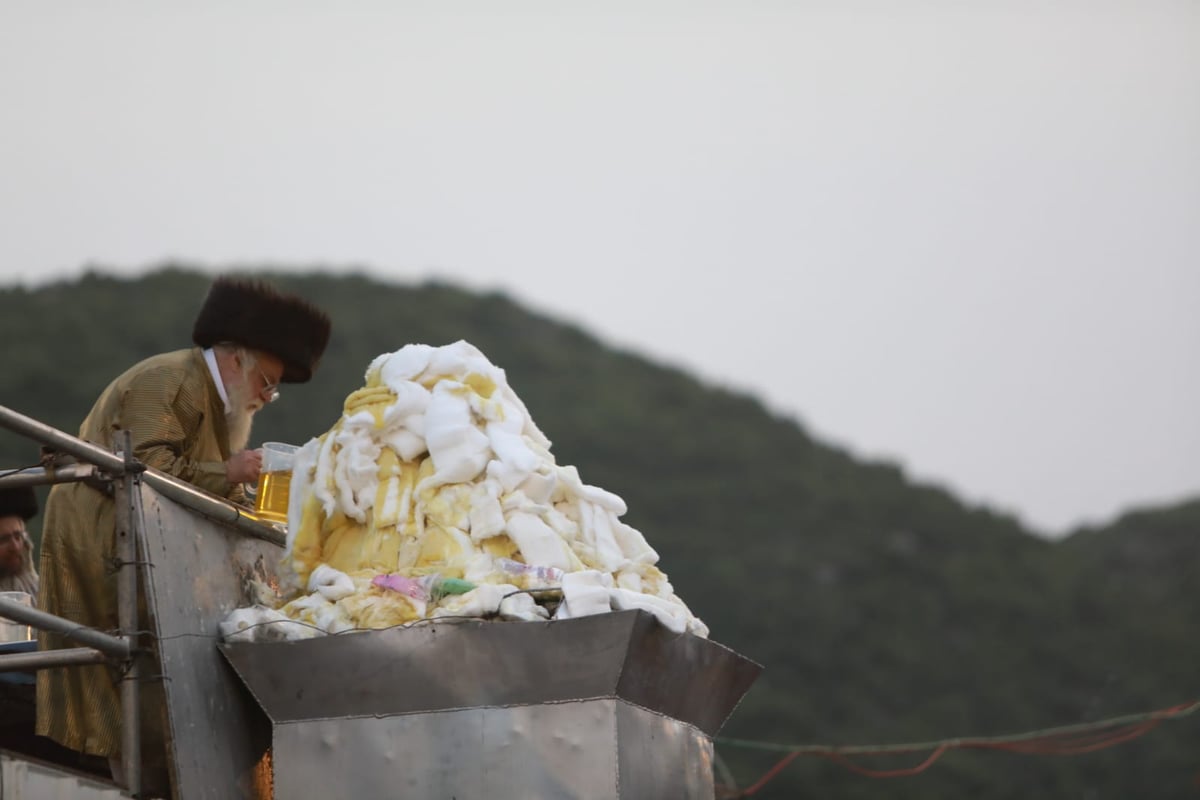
(244, 466)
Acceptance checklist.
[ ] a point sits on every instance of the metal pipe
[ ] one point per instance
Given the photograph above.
(212, 507)
(86, 451)
(39, 476)
(128, 522)
(110, 645)
(180, 491)
(124, 474)
(46, 659)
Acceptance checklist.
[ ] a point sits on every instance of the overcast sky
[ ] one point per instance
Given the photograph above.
(963, 236)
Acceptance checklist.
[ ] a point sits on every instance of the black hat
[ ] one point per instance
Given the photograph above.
(18, 502)
(255, 315)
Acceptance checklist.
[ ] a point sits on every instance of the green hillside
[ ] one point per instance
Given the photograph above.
(883, 610)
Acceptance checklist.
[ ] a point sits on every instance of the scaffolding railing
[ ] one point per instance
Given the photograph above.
(119, 473)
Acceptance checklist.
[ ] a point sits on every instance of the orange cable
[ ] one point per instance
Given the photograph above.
(889, 773)
(1068, 740)
(771, 773)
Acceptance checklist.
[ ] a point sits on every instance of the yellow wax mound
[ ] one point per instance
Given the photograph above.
(435, 468)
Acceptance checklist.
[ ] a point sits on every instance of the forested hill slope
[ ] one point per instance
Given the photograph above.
(883, 611)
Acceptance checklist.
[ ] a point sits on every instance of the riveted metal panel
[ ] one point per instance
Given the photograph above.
(687, 677)
(443, 665)
(590, 750)
(662, 757)
(564, 750)
(198, 571)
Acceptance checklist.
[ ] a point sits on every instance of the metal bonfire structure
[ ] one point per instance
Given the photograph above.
(609, 706)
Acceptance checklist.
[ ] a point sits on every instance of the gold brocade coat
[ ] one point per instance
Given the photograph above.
(176, 418)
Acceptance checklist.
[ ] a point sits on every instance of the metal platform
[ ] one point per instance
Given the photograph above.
(607, 706)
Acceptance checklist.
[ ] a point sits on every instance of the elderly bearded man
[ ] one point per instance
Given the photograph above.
(17, 506)
(189, 414)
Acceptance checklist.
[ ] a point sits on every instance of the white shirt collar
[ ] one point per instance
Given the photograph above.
(211, 358)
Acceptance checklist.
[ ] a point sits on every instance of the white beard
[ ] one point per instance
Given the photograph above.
(240, 418)
(239, 422)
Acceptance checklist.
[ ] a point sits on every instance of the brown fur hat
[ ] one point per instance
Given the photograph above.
(255, 315)
(19, 501)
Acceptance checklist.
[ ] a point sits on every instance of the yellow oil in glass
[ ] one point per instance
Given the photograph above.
(271, 502)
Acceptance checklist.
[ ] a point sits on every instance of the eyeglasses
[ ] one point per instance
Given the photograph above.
(15, 537)
(273, 390)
